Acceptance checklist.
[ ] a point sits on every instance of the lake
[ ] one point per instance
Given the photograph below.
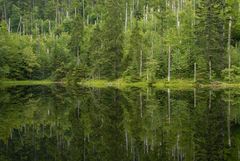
(56, 123)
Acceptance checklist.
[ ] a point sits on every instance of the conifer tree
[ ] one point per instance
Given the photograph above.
(95, 51)
(210, 40)
(135, 54)
(76, 41)
(113, 39)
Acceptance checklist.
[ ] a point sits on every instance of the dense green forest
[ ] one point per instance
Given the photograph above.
(136, 40)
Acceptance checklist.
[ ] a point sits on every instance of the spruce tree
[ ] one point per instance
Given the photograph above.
(113, 39)
(210, 40)
(95, 51)
(135, 55)
(76, 41)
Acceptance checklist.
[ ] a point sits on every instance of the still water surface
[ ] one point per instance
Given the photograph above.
(54, 123)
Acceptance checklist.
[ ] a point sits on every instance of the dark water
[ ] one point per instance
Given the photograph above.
(39, 123)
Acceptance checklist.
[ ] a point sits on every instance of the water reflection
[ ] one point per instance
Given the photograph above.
(55, 123)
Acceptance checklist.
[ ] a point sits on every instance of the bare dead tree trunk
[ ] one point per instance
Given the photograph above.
(9, 25)
(83, 6)
(229, 48)
(126, 17)
(131, 19)
(141, 63)
(49, 27)
(195, 72)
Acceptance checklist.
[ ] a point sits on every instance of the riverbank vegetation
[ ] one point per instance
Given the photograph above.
(141, 43)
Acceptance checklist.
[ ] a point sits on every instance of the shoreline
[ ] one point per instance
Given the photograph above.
(9, 83)
(160, 84)
(121, 84)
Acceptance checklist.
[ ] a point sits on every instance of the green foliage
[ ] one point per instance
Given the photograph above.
(50, 39)
(95, 51)
(112, 40)
(134, 58)
(210, 43)
(76, 39)
(77, 74)
(234, 74)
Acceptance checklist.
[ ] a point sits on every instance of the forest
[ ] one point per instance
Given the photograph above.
(131, 40)
(178, 59)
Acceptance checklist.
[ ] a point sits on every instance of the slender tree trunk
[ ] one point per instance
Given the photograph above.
(169, 63)
(133, 6)
(210, 70)
(178, 21)
(131, 19)
(195, 72)
(56, 19)
(194, 11)
(229, 47)
(126, 17)
(19, 25)
(9, 25)
(87, 19)
(67, 14)
(49, 27)
(141, 63)
(83, 12)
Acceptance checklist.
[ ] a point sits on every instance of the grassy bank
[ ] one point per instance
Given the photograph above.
(24, 82)
(160, 84)
(179, 83)
(116, 84)
(121, 84)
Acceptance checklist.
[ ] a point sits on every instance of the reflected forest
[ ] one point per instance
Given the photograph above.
(56, 123)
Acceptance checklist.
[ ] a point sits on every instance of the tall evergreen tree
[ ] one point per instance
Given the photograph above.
(134, 59)
(113, 39)
(76, 41)
(95, 51)
(210, 38)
